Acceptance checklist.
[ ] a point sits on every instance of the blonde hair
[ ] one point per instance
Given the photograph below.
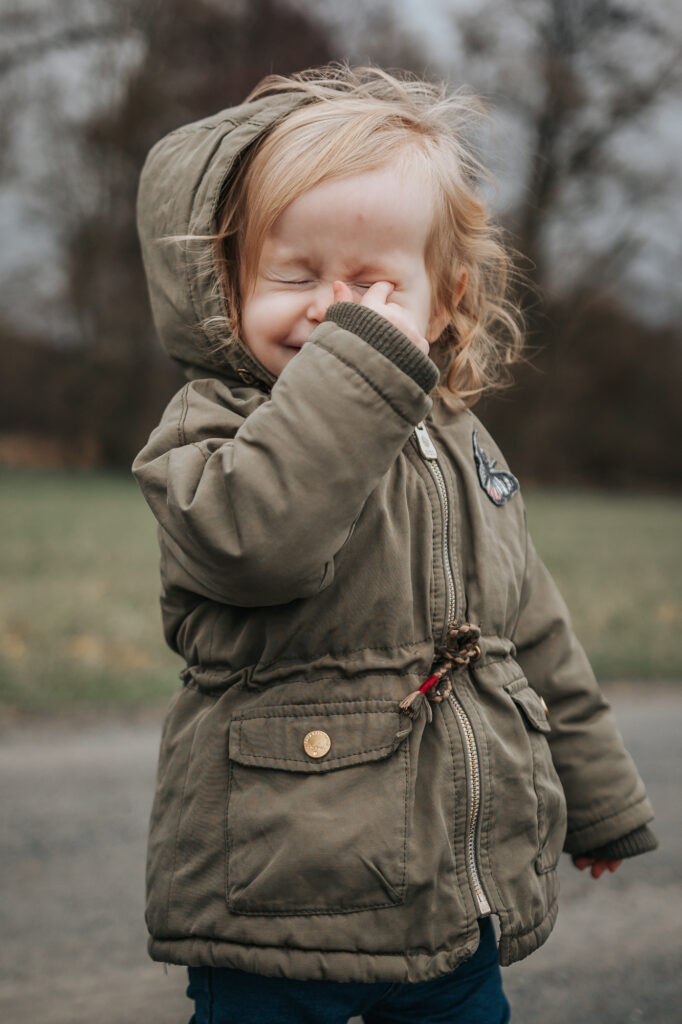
(353, 120)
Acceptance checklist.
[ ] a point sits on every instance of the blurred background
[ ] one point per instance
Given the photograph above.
(584, 139)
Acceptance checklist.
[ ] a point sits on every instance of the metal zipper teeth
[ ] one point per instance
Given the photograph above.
(450, 605)
(475, 801)
(428, 451)
(429, 454)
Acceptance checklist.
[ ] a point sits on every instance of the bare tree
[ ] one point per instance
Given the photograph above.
(597, 69)
(190, 57)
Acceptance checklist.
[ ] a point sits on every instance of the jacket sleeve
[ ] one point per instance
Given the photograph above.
(254, 509)
(605, 796)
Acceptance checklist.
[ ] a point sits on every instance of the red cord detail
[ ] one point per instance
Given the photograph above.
(431, 681)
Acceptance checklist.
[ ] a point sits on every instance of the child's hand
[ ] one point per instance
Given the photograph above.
(376, 298)
(598, 866)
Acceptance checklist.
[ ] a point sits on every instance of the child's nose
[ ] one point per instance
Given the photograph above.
(321, 299)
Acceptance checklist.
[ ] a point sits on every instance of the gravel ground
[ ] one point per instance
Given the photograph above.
(76, 793)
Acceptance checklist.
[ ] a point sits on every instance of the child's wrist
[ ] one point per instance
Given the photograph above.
(388, 339)
(640, 840)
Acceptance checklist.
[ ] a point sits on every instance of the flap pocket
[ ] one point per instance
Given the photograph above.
(551, 810)
(318, 805)
(317, 737)
(531, 704)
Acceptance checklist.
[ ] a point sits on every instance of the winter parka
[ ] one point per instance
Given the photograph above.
(319, 535)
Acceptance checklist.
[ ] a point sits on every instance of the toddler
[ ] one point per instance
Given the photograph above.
(387, 731)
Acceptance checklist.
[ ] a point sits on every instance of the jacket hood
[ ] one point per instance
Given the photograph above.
(181, 184)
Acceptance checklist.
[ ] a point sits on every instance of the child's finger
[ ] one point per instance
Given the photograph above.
(377, 295)
(597, 867)
(342, 292)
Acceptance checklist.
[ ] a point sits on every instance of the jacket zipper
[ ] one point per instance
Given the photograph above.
(429, 454)
(474, 774)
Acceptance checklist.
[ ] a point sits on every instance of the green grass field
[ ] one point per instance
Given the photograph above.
(79, 619)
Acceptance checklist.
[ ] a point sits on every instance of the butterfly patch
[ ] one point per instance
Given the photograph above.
(498, 484)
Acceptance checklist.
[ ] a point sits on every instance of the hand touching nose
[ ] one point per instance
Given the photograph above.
(376, 298)
(342, 292)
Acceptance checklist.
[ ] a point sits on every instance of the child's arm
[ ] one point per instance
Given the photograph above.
(608, 809)
(255, 509)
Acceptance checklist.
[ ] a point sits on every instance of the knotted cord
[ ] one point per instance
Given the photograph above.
(455, 653)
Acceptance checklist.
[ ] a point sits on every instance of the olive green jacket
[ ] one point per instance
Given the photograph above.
(316, 544)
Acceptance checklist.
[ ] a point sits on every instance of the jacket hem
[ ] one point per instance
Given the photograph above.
(516, 947)
(313, 964)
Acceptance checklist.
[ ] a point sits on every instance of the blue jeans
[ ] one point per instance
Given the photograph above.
(471, 994)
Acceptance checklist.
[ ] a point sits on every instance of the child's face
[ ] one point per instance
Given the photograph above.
(362, 229)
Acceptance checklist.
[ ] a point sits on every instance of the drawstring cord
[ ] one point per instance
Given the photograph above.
(458, 650)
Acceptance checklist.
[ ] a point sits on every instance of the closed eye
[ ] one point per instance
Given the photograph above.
(283, 280)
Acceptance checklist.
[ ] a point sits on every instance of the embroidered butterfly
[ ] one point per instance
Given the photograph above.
(498, 484)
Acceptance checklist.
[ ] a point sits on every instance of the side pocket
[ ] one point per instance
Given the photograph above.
(317, 808)
(548, 788)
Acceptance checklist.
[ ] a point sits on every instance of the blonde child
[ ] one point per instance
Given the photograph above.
(387, 731)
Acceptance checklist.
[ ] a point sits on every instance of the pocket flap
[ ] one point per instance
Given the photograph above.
(317, 737)
(531, 704)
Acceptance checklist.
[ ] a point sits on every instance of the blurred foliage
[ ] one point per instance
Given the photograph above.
(596, 400)
(111, 387)
(79, 619)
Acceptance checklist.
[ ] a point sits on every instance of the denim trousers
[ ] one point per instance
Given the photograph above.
(471, 994)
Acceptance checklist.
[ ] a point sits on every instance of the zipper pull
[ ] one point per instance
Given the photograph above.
(426, 446)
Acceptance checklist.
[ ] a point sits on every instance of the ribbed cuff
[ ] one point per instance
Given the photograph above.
(640, 840)
(385, 337)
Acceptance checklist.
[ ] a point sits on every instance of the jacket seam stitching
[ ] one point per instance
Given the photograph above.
(487, 826)
(183, 416)
(552, 904)
(523, 577)
(413, 458)
(177, 827)
(197, 444)
(468, 915)
(415, 950)
(351, 700)
(190, 129)
(352, 650)
(453, 539)
(608, 817)
(364, 377)
(299, 760)
(282, 712)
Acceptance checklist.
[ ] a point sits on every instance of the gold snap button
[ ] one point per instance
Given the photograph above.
(316, 743)
(542, 701)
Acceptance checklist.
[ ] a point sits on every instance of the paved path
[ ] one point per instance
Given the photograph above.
(75, 796)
